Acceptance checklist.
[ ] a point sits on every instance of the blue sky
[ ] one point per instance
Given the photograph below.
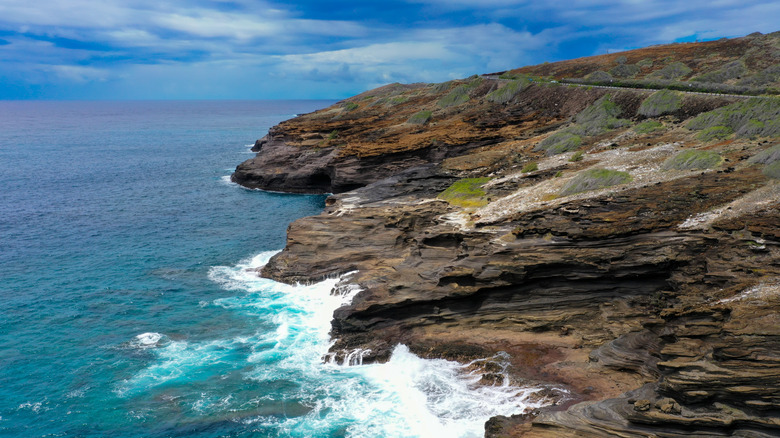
(244, 49)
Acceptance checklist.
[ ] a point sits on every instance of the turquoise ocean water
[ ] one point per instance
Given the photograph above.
(128, 304)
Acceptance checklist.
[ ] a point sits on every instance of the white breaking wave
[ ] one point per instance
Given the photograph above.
(226, 180)
(147, 340)
(405, 397)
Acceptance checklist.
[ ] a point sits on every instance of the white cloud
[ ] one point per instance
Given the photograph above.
(211, 24)
(80, 74)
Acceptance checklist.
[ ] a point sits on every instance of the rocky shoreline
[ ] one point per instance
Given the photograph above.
(653, 301)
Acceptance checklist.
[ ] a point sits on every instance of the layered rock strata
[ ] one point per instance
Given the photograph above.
(652, 302)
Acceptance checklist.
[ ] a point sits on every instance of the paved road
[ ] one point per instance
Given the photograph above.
(739, 96)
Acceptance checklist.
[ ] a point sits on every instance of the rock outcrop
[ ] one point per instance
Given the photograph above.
(652, 300)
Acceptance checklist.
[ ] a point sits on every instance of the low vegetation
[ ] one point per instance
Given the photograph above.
(771, 160)
(693, 159)
(764, 77)
(507, 92)
(559, 143)
(715, 133)
(350, 106)
(648, 126)
(598, 118)
(767, 156)
(599, 76)
(625, 70)
(420, 118)
(530, 167)
(442, 87)
(645, 63)
(467, 193)
(661, 102)
(593, 120)
(594, 179)
(457, 96)
(577, 156)
(772, 170)
(655, 83)
(750, 118)
(674, 70)
(732, 70)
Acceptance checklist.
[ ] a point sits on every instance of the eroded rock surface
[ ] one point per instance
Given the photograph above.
(653, 302)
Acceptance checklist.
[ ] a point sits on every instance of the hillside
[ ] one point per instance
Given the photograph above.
(620, 244)
(747, 65)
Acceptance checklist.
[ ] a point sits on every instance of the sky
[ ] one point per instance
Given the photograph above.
(317, 49)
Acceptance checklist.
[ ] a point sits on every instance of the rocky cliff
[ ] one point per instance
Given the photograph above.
(620, 244)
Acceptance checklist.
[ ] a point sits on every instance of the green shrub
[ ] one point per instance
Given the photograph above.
(661, 102)
(648, 126)
(645, 63)
(594, 179)
(420, 118)
(764, 77)
(751, 129)
(767, 156)
(715, 133)
(399, 99)
(692, 159)
(442, 87)
(731, 70)
(674, 70)
(515, 76)
(507, 92)
(620, 60)
(772, 170)
(744, 118)
(475, 81)
(624, 70)
(457, 96)
(599, 76)
(467, 193)
(530, 167)
(598, 118)
(333, 134)
(577, 156)
(559, 143)
(350, 106)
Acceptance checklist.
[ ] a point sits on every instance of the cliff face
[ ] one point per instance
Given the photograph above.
(625, 252)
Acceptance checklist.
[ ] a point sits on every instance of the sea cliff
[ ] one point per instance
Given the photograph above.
(621, 243)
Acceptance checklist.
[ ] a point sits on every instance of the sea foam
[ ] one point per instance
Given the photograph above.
(405, 397)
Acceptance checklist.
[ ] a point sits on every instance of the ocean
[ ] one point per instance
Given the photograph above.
(129, 303)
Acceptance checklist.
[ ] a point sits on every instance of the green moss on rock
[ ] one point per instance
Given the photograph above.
(467, 193)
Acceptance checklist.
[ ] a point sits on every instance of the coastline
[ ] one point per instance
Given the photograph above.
(620, 294)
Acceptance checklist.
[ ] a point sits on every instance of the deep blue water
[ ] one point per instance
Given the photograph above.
(127, 308)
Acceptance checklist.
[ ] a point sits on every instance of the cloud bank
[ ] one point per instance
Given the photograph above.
(210, 49)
